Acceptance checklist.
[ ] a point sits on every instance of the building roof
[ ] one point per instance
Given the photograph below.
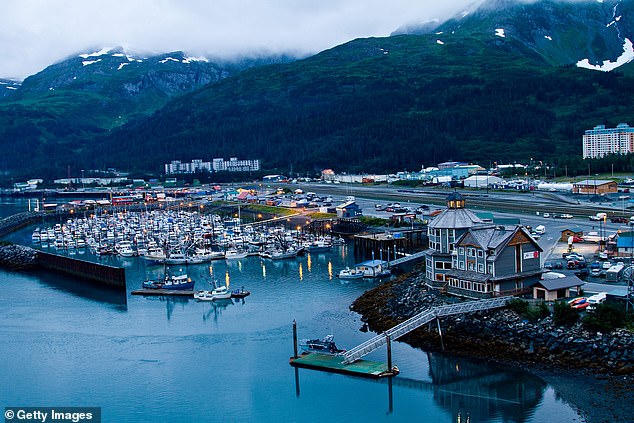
(560, 283)
(575, 229)
(455, 219)
(593, 182)
(469, 275)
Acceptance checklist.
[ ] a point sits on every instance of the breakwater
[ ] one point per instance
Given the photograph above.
(18, 221)
(501, 335)
(19, 257)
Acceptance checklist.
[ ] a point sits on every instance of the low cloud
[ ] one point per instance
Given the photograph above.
(34, 34)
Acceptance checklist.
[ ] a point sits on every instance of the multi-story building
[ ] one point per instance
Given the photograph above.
(601, 141)
(471, 258)
(216, 165)
(494, 260)
(235, 165)
(443, 232)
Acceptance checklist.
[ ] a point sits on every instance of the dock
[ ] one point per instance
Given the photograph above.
(173, 292)
(334, 364)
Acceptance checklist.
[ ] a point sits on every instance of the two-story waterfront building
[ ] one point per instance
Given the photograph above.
(471, 258)
(492, 260)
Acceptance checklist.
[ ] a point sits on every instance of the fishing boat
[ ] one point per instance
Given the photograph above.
(217, 293)
(319, 247)
(324, 346)
(349, 274)
(172, 282)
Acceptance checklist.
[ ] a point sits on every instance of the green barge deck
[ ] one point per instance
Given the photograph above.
(334, 364)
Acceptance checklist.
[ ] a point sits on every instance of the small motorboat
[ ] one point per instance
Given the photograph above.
(324, 346)
(239, 293)
(349, 273)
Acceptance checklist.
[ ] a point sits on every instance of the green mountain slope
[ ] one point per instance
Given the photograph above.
(384, 104)
(56, 114)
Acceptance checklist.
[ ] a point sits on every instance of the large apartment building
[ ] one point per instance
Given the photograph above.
(216, 165)
(601, 141)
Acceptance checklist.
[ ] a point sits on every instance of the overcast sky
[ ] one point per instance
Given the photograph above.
(37, 33)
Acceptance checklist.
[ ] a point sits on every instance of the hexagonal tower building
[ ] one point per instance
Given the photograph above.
(443, 232)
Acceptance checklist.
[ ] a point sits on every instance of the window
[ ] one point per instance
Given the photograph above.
(439, 265)
(461, 265)
(480, 253)
(480, 268)
(490, 268)
(470, 266)
(461, 250)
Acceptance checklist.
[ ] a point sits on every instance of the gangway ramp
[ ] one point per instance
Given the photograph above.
(407, 258)
(419, 320)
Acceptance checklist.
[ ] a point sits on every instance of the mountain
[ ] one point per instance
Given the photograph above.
(474, 91)
(561, 32)
(8, 87)
(59, 111)
(484, 86)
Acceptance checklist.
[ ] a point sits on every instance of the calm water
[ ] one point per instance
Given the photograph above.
(171, 360)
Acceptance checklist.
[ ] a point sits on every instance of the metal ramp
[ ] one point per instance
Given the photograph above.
(405, 259)
(419, 320)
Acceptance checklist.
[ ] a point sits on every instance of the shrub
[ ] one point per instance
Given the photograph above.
(605, 318)
(564, 315)
(519, 306)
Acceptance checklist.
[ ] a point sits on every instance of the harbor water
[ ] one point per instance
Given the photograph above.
(170, 359)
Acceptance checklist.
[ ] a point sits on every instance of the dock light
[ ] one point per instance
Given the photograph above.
(259, 215)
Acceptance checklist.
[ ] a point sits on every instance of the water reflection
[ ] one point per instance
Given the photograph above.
(83, 289)
(329, 270)
(301, 272)
(476, 392)
(472, 391)
(309, 262)
(213, 309)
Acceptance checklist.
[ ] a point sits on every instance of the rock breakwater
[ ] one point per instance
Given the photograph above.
(499, 335)
(18, 257)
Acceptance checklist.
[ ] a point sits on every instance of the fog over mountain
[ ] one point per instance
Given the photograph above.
(34, 34)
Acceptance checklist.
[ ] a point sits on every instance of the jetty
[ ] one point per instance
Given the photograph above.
(335, 364)
(157, 292)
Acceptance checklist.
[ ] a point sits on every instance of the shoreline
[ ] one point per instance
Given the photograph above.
(604, 395)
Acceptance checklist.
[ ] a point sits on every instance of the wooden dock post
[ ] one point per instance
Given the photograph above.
(442, 344)
(294, 339)
(389, 353)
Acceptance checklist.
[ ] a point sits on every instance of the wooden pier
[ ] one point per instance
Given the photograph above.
(334, 364)
(172, 292)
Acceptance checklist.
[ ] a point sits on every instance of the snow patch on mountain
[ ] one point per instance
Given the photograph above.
(500, 32)
(195, 59)
(122, 65)
(101, 52)
(439, 42)
(167, 59)
(90, 62)
(548, 37)
(607, 65)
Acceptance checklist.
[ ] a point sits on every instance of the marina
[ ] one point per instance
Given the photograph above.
(131, 348)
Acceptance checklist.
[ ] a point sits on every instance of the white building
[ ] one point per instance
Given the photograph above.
(601, 141)
(216, 165)
(482, 181)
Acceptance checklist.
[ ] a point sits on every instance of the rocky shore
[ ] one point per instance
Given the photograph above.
(559, 354)
(18, 257)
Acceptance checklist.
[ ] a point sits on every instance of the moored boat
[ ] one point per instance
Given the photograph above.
(349, 274)
(324, 346)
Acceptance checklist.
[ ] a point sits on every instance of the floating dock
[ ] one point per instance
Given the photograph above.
(174, 292)
(334, 364)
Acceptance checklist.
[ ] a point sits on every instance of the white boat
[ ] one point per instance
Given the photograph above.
(235, 254)
(373, 269)
(218, 293)
(349, 273)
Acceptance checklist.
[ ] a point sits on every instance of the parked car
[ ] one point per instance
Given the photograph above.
(566, 216)
(603, 255)
(548, 266)
(582, 273)
(606, 265)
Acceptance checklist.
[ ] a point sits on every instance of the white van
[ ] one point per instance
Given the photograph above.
(541, 229)
(596, 299)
